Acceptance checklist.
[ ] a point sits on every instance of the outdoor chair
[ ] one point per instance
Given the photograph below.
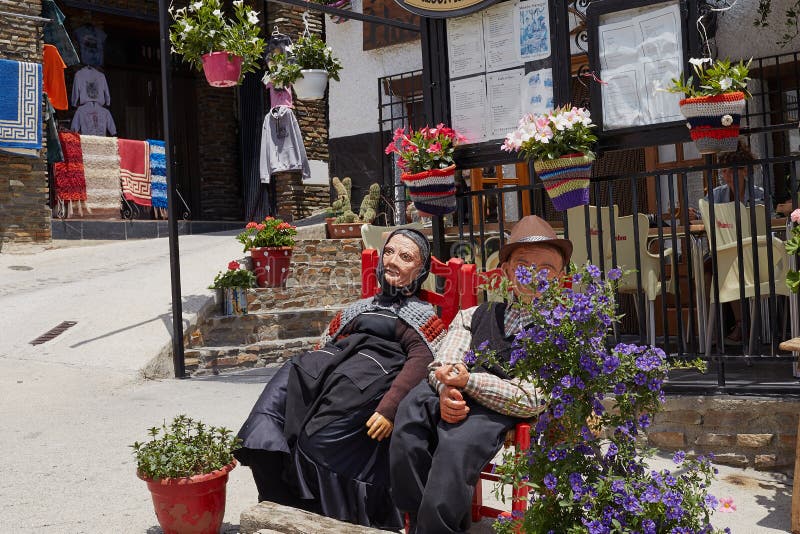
(578, 229)
(736, 281)
(626, 247)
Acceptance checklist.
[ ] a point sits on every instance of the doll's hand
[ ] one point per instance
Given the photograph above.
(453, 375)
(379, 427)
(452, 406)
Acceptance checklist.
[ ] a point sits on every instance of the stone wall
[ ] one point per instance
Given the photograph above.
(757, 432)
(24, 193)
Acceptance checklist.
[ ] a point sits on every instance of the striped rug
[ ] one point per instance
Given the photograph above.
(101, 167)
(158, 173)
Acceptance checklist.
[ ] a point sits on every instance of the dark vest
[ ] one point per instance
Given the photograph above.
(488, 324)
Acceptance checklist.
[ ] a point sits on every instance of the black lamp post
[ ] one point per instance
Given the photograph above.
(178, 363)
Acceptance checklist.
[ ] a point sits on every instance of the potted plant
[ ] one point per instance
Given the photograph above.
(232, 288)
(586, 465)
(559, 144)
(792, 248)
(307, 67)
(344, 222)
(714, 102)
(224, 48)
(186, 466)
(426, 159)
(270, 244)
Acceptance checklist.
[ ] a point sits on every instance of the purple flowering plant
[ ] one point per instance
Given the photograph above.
(586, 469)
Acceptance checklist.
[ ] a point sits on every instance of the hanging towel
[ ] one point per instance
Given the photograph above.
(101, 167)
(133, 164)
(69, 178)
(55, 33)
(53, 77)
(158, 173)
(21, 106)
(54, 152)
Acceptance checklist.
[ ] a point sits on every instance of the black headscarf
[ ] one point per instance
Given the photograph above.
(393, 293)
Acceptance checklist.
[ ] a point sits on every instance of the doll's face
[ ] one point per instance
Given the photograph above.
(402, 261)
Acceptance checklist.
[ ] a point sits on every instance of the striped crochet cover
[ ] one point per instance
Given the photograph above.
(713, 121)
(158, 173)
(432, 191)
(566, 180)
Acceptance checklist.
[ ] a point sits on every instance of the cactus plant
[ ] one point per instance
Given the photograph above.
(341, 207)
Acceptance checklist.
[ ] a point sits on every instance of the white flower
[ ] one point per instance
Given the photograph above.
(725, 83)
(727, 120)
(289, 49)
(196, 6)
(252, 17)
(698, 62)
(217, 13)
(254, 40)
(212, 33)
(237, 3)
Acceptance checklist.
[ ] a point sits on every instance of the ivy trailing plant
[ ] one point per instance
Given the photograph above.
(792, 14)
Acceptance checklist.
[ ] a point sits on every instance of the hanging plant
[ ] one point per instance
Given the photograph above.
(309, 52)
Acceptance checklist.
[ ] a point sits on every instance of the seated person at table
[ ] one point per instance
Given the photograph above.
(450, 425)
(317, 438)
(725, 192)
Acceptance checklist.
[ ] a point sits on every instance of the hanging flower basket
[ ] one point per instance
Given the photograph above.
(311, 85)
(432, 192)
(271, 265)
(566, 179)
(713, 121)
(222, 69)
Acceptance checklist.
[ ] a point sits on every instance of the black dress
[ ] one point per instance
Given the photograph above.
(306, 440)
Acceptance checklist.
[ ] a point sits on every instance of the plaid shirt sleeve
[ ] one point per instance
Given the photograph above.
(510, 397)
(454, 345)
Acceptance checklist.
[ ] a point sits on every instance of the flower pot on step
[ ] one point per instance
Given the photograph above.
(222, 69)
(433, 192)
(713, 121)
(342, 230)
(192, 504)
(271, 265)
(234, 301)
(566, 179)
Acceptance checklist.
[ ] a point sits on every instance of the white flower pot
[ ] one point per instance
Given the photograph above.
(311, 86)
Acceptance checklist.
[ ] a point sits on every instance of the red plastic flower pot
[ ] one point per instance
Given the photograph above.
(271, 265)
(193, 505)
(222, 69)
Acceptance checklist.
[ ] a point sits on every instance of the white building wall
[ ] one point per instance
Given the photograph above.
(353, 101)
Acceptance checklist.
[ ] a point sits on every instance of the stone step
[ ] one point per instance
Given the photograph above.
(219, 359)
(271, 517)
(302, 296)
(266, 326)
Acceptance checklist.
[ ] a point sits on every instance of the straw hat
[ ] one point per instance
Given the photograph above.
(531, 230)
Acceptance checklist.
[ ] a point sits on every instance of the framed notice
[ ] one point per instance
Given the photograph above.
(637, 47)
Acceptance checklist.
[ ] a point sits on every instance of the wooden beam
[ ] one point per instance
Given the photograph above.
(349, 14)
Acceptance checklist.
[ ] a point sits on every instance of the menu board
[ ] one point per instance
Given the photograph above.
(487, 51)
(640, 51)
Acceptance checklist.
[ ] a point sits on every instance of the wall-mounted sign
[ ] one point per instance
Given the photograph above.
(441, 9)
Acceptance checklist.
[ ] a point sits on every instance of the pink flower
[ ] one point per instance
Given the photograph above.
(726, 505)
(260, 227)
(232, 266)
(435, 147)
(250, 225)
(399, 132)
(796, 216)
(391, 148)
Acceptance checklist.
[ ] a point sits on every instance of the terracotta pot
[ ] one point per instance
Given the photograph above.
(433, 192)
(342, 230)
(566, 179)
(713, 121)
(222, 69)
(193, 505)
(271, 265)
